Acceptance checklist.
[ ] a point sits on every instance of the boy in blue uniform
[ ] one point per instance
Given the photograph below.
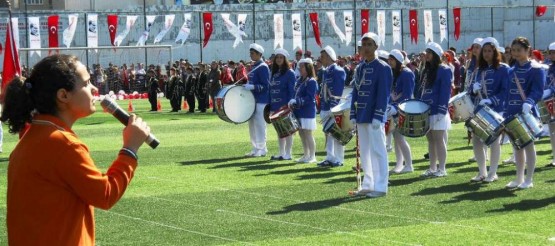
(370, 96)
(259, 81)
(332, 89)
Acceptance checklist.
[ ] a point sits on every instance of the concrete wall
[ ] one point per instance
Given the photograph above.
(503, 19)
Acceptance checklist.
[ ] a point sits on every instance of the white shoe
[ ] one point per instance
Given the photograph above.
(513, 184)
(526, 185)
(362, 192)
(313, 160)
(259, 153)
(407, 169)
(428, 173)
(473, 159)
(511, 160)
(396, 169)
(250, 154)
(477, 178)
(490, 179)
(440, 173)
(375, 194)
(301, 160)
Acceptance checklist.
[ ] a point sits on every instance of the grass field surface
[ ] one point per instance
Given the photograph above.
(196, 188)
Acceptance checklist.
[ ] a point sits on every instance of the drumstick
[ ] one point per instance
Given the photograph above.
(358, 175)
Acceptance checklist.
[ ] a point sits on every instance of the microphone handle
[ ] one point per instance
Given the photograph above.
(123, 117)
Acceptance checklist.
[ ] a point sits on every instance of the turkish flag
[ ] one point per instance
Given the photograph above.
(11, 68)
(53, 32)
(540, 10)
(457, 19)
(413, 23)
(316, 28)
(112, 27)
(365, 21)
(208, 27)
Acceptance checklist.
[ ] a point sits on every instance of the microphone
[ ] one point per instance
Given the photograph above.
(123, 117)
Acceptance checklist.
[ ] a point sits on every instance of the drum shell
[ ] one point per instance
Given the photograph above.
(486, 124)
(461, 107)
(390, 125)
(285, 122)
(332, 128)
(547, 111)
(522, 129)
(413, 124)
(220, 104)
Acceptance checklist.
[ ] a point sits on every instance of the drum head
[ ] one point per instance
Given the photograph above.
(239, 104)
(457, 97)
(345, 102)
(414, 106)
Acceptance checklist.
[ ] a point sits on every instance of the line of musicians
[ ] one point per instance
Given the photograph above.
(381, 87)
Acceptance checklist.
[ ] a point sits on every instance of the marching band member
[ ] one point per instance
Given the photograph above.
(368, 112)
(332, 89)
(522, 97)
(282, 90)
(304, 105)
(384, 56)
(258, 83)
(403, 88)
(436, 91)
(548, 92)
(490, 87)
(470, 68)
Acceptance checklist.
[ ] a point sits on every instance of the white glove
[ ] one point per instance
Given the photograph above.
(376, 124)
(249, 87)
(292, 102)
(484, 102)
(526, 108)
(546, 93)
(476, 87)
(354, 122)
(391, 110)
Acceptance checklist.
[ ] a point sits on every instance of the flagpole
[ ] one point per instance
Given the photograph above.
(355, 24)
(26, 33)
(200, 33)
(253, 22)
(12, 41)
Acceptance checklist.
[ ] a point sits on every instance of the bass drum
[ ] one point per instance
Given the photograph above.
(235, 104)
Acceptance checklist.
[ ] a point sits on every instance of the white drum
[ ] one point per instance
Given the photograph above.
(461, 107)
(235, 104)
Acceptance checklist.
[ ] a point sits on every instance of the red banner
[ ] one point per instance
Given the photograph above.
(316, 28)
(365, 21)
(457, 19)
(53, 33)
(207, 22)
(11, 67)
(540, 10)
(413, 23)
(112, 27)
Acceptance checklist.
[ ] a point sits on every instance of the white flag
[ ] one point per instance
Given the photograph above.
(149, 21)
(442, 24)
(92, 31)
(34, 35)
(131, 19)
(428, 27)
(348, 18)
(278, 31)
(236, 30)
(167, 25)
(297, 34)
(185, 29)
(15, 26)
(396, 25)
(331, 17)
(69, 32)
(380, 16)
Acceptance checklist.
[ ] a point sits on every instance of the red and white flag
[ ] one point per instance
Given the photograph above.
(69, 32)
(112, 27)
(11, 67)
(457, 20)
(53, 32)
(540, 10)
(315, 28)
(413, 23)
(207, 23)
(365, 21)
(34, 35)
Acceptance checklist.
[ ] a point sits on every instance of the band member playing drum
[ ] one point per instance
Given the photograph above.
(402, 89)
(282, 90)
(258, 83)
(436, 91)
(471, 69)
(304, 105)
(489, 88)
(548, 93)
(370, 96)
(332, 89)
(522, 98)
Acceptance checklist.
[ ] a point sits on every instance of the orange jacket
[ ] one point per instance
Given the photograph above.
(53, 186)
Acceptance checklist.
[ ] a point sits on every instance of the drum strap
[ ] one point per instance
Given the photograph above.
(522, 95)
(484, 85)
(252, 70)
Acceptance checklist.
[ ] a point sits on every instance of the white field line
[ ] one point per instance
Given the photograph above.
(175, 227)
(476, 227)
(274, 220)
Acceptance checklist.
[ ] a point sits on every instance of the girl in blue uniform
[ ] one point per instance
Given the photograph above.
(436, 92)
(282, 90)
(490, 87)
(403, 88)
(304, 105)
(548, 92)
(531, 78)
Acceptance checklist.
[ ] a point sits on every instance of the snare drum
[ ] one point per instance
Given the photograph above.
(522, 129)
(390, 125)
(235, 104)
(486, 124)
(342, 113)
(284, 122)
(332, 127)
(413, 120)
(461, 107)
(547, 113)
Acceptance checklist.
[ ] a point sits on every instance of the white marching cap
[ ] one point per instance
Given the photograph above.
(478, 41)
(257, 47)
(329, 50)
(383, 54)
(398, 55)
(305, 60)
(283, 52)
(552, 46)
(372, 36)
(435, 47)
(501, 49)
(491, 40)
(359, 43)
